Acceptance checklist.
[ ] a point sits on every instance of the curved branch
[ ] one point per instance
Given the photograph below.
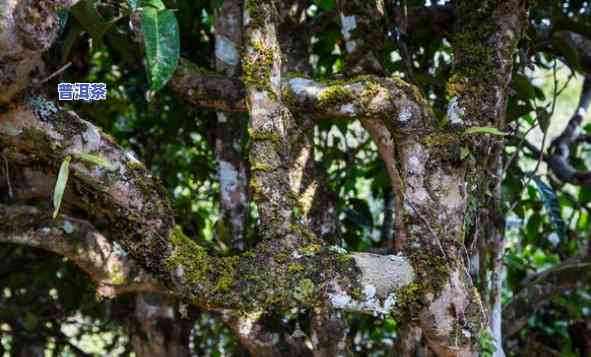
(558, 159)
(120, 194)
(541, 289)
(207, 89)
(107, 182)
(106, 263)
(364, 96)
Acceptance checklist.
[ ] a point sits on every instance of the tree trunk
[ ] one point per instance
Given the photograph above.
(156, 329)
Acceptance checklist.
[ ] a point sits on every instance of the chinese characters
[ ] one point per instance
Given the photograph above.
(82, 91)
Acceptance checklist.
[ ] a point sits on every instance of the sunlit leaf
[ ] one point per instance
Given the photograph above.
(60, 185)
(161, 37)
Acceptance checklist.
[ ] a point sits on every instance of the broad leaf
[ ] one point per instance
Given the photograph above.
(60, 185)
(552, 206)
(161, 38)
(157, 4)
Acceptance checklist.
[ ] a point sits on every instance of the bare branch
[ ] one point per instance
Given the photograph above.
(362, 97)
(207, 89)
(558, 159)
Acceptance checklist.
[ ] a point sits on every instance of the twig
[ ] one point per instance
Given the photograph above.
(59, 71)
(10, 193)
(541, 154)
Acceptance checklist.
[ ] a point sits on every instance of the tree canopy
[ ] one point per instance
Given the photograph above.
(296, 178)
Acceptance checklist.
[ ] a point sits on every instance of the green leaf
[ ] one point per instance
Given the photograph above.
(326, 5)
(161, 37)
(96, 160)
(522, 85)
(585, 195)
(157, 4)
(552, 206)
(484, 130)
(60, 185)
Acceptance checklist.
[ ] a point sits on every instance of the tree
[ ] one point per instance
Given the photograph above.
(435, 140)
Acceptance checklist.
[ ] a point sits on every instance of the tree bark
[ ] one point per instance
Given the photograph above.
(427, 281)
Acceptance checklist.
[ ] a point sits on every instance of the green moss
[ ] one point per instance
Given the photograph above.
(265, 135)
(310, 249)
(357, 293)
(442, 139)
(257, 66)
(304, 290)
(408, 299)
(289, 98)
(335, 95)
(214, 274)
(295, 267)
(344, 258)
(262, 167)
(257, 190)
(372, 88)
(281, 257)
(260, 10)
(195, 69)
(134, 165)
(249, 254)
(306, 235)
(116, 276)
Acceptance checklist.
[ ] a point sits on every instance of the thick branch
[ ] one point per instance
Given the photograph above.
(207, 89)
(364, 96)
(106, 263)
(27, 29)
(119, 193)
(110, 184)
(260, 340)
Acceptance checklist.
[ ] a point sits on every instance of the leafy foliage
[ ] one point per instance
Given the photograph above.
(547, 222)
